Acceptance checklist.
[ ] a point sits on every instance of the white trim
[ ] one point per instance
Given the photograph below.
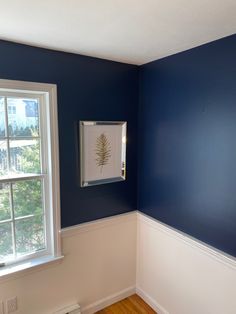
(24, 177)
(27, 87)
(47, 94)
(98, 224)
(55, 169)
(195, 244)
(150, 301)
(213, 253)
(27, 267)
(107, 301)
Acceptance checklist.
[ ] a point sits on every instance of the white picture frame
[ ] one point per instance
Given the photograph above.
(102, 152)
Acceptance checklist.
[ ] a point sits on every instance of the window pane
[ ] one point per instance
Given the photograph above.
(2, 117)
(30, 235)
(5, 211)
(23, 117)
(25, 156)
(27, 198)
(6, 248)
(3, 157)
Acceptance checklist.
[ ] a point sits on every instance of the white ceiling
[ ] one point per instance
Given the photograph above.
(131, 31)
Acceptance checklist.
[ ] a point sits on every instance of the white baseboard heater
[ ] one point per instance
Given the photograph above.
(72, 309)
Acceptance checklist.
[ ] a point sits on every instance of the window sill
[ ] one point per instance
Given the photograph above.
(17, 270)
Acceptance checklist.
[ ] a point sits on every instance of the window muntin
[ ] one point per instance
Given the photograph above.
(27, 197)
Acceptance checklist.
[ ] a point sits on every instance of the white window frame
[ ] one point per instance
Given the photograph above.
(47, 95)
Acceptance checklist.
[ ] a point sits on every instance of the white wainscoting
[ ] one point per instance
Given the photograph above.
(109, 259)
(179, 275)
(99, 268)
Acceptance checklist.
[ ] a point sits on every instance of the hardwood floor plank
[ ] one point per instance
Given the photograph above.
(131, 305)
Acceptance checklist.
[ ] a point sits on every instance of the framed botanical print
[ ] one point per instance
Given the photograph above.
(102, 152)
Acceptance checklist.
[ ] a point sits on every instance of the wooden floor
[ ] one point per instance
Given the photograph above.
(132, 305)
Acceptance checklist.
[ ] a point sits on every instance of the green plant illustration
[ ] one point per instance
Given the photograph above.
(103, 151)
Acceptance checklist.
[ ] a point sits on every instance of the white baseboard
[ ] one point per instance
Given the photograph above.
(101, 304)
(150, 301)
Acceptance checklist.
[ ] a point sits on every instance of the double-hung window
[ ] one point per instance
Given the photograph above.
(29, 173)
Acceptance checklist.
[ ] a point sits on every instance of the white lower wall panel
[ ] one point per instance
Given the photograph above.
(180, 275)
(99, 267)
(175, 274)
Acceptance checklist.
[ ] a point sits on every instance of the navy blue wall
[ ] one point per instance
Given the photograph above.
(88, 89)
(187, 142)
